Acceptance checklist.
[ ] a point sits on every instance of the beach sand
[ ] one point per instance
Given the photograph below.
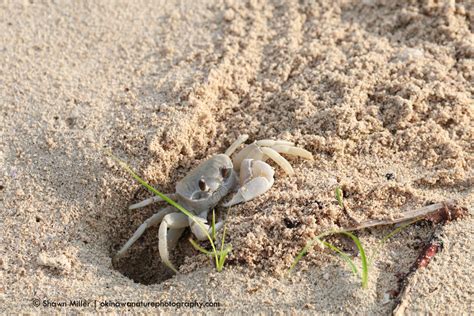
(381, 94)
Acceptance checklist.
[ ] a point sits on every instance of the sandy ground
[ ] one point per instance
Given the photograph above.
(381, 94)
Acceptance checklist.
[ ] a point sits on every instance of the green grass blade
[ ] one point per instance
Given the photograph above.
(365, 266)
(307, 247)
(301, 254)
(222, 257)
(397, 230)
(213, 225)
(223, 236)
(199, 248)
(223, 252)
(339, 197)
(344, 256)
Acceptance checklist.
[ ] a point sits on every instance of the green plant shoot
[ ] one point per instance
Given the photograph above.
(339, 197)
(224, 250)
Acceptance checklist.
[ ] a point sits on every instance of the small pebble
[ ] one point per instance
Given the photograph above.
(229, 15)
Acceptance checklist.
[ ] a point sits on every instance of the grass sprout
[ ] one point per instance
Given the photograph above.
(340, 197)
(199, 248)
(365, 267)
(219, 256)
(343, 255)
(363, 257)
(213, 225)
(224, 250)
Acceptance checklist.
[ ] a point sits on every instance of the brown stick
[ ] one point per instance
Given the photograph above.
(435, 213)
(424, 258)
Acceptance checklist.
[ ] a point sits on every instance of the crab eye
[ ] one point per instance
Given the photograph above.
(203, 185)
(225, 172)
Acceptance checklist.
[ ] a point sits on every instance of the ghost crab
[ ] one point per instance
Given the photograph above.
(207, 184)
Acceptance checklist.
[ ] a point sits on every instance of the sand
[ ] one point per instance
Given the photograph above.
(380, 93)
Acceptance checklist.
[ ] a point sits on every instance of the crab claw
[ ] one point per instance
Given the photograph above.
(256, 177)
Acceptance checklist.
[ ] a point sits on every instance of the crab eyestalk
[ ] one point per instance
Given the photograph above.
(203, 185)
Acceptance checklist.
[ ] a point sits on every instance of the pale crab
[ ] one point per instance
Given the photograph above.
(207, 184)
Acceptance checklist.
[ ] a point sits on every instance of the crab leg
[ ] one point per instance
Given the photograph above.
(239, 141)
(279, 159)
(173, 237)
(271, 143)
(173, 221)
(293, 151)
(151, 200)
(153, 220)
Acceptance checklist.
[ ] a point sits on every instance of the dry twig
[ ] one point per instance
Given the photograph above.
(435, 213)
